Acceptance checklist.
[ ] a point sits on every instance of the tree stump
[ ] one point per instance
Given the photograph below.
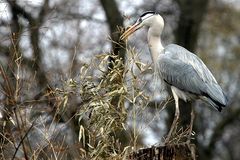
(182, 151)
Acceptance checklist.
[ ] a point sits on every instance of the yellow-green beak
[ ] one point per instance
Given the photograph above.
(129, 31)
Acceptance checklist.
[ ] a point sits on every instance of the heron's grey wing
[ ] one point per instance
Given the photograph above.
(178, 52)
(184, 57)
(181, 75)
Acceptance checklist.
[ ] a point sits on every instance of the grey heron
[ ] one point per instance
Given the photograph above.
(179, 69)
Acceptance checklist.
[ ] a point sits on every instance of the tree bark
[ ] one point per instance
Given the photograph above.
(191, 16)
(170, 152)
(115, 20)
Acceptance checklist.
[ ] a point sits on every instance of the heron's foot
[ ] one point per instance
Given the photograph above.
(172, 130)
(190, 131)
(192, 149)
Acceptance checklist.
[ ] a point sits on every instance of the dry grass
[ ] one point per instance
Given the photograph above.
(86, 117)
(103, 111)
(108, 98)
(33, 128)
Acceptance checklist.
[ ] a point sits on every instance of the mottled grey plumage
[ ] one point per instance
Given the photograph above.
(184, 70)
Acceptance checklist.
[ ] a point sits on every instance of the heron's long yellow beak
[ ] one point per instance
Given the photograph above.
(129, 31)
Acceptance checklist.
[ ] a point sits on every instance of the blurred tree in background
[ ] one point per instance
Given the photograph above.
(64, 97)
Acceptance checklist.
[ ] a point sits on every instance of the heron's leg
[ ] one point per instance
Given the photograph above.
(191, 125)
(176, 117)
(191, 147)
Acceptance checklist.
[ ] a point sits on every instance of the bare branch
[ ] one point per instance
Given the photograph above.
(19, 10)
(43, 12)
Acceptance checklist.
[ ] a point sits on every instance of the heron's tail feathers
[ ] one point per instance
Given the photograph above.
(215, 97)
(212, 103)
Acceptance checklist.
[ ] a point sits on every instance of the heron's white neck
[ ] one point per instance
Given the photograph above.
(154, 42)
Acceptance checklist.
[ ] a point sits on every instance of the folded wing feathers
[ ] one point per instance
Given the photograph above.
(205, 81)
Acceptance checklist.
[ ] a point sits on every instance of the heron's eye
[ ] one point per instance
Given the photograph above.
(140, 20)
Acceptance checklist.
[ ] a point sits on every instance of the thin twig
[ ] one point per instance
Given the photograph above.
(17, 148)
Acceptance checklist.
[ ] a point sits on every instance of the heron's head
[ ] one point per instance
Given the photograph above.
(149, 19)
